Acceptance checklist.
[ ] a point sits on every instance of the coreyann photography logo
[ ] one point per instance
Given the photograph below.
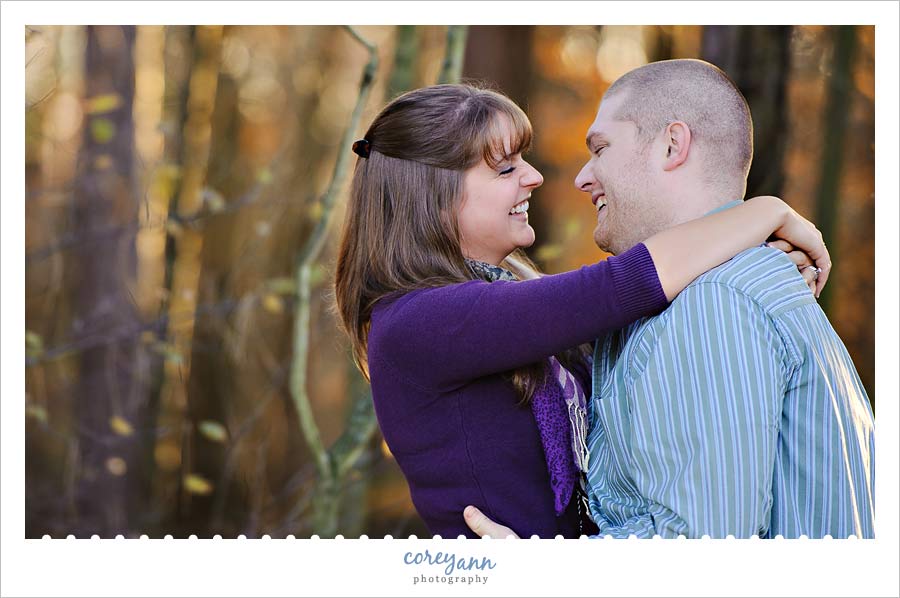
(447, 568)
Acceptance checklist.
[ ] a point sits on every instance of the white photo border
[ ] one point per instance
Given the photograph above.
(376, 566)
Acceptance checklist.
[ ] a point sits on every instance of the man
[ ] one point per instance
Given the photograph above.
(737, 410)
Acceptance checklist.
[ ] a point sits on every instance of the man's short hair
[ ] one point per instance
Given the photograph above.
(699, 94)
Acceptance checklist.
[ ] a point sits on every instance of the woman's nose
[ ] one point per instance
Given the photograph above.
(533, 178)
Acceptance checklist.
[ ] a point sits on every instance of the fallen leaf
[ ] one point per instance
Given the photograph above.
(168, 457)
(264, 176)
(102, 130)
(282, 285)
(103, 103)
(272, 303)
(116, 466)
(37, 412)
(196, 484)
(213, 430)
(548, 252)
(120, 426)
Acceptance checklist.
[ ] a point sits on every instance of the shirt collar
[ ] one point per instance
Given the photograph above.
(727, 206)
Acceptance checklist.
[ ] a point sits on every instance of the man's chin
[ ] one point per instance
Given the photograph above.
(603, 243)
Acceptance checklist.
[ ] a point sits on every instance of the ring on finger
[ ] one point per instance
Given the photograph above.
(814, 269)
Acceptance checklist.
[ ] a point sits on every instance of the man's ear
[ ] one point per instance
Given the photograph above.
(678, 144)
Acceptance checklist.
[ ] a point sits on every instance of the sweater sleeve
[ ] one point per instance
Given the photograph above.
(448, 336)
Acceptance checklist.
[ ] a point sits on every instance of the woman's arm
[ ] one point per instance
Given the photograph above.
(451, 335)
(684, 252)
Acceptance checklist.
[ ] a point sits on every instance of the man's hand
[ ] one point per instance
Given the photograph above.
(479, 523)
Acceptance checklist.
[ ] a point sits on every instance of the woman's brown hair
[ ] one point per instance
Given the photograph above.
(401, 232)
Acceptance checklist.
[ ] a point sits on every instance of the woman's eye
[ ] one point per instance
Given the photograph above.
(507, 170)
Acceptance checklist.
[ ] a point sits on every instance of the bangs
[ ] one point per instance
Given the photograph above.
(492, 140)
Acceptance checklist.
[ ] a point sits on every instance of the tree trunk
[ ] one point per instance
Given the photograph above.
(109, 405)
(490, 53)
(837, 114)
(212, 390)
(185, 270)
(404, 68)
(758, 60)
(164, 456)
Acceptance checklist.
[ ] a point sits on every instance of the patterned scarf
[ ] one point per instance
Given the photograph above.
(560, 411)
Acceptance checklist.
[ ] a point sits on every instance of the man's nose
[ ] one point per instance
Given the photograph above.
(585, 179)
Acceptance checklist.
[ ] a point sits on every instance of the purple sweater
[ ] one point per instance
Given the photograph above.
(437, 359)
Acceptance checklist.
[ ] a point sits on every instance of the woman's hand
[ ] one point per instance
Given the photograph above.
(803, 262)
(802, 234)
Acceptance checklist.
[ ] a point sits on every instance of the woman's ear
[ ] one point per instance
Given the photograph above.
(678, 144)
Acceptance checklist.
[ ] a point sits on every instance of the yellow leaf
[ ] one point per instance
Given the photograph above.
(548, 252)
(103, 130)
(168, 456)
(263, 228)
(165, 180)
(264, 176)
(33, 340)
(213, 430)
(196, 484)
(103, 103)
(103, 162)
(317, 275)
(316, 210)
(213, 199)
(385, 450)
(173, 228)
(170, 171)
(120, 426)
(282, 285)
(272, 303)
(37, 412)
(573, 228)
(116, 466)
(34, 344)
(169, 351)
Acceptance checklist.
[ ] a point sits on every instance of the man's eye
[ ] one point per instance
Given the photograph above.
(599, 149)
(507, 170)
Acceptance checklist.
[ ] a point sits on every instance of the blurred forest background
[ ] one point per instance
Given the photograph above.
(184, 190)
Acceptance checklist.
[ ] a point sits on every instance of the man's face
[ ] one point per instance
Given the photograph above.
(621, 181)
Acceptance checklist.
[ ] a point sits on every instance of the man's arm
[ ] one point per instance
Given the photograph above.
(704, 417)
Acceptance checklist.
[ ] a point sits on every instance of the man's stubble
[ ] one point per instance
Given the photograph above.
(639, 211)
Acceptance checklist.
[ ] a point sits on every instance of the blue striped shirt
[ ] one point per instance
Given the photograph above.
(736, 411)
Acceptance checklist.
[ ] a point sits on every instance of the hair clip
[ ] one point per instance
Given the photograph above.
(362, 147)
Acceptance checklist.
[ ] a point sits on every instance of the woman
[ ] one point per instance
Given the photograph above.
(437, 210)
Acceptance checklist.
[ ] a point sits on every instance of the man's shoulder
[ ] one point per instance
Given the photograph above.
(763, 275)
(761, 280)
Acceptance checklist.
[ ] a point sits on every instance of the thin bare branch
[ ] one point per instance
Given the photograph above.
(71, 240)
(305, 260)
(42, 99)
(451, 70)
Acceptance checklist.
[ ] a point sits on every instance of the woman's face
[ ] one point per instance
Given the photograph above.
(493, 216)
